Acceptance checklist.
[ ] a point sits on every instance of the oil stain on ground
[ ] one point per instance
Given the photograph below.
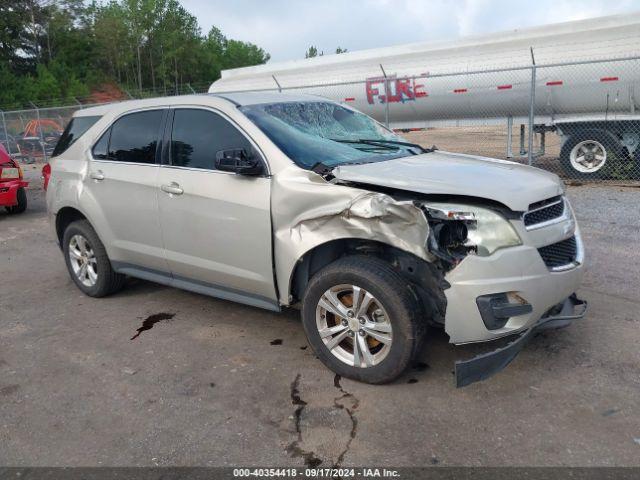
(277, 341)
(344, 401)
(294, 449)
(349, 403)
(151, 320)
(9, 390)
(421, 366)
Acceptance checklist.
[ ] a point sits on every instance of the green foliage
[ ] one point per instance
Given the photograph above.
(620, 167)
(55, 51)
(312, 52)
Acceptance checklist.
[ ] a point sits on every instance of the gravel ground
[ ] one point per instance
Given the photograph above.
(216, 383)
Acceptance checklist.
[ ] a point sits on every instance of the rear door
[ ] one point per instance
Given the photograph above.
(123, 180)
(216, 225)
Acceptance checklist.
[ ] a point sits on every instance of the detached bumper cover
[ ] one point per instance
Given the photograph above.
(9, 192)
(487, 364)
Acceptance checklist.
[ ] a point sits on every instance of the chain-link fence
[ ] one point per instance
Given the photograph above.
(579, 119)
(30, 135)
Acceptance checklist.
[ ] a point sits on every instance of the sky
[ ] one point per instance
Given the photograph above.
(286, 28)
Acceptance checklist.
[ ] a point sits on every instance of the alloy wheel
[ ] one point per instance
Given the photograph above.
(354, 325)
(83, 260)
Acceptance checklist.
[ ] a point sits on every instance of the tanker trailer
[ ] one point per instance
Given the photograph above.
(586, 77)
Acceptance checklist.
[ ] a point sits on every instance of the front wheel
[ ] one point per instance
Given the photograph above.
(359, 316)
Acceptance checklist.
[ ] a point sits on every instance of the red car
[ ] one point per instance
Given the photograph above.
(13, 195)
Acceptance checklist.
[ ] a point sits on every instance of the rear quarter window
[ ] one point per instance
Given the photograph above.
(75, 129)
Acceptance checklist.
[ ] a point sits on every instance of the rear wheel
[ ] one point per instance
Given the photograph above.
(359, 315)
(87, 261)
(585, 154)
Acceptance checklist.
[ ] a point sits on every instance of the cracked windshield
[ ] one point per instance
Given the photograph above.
(312, 133)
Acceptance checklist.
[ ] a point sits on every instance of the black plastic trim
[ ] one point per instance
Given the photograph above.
(496, 310)
(487, 364)
(196, 286)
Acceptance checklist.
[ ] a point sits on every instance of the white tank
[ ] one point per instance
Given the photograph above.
(420, 94)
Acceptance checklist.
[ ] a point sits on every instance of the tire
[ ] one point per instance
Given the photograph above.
(99, 279)
(394, 304)
(599, 140)
(21, 196)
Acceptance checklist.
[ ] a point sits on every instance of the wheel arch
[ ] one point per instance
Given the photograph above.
(64, 217)
(425, 277)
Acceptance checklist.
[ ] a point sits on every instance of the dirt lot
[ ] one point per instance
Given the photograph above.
(491, 141)
(487, 141)
(215, 383)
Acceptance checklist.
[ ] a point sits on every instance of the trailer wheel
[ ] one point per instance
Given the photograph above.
(585, 154)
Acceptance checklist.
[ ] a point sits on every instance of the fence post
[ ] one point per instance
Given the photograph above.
(532, 108)
(6, 132)
(386, 97)
(44, 150)
(277, 83)
(509, 136)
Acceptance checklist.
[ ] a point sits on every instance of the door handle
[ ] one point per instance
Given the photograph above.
(173, 188)
(98, 176)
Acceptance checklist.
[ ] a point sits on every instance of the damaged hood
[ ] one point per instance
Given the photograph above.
(512, 184)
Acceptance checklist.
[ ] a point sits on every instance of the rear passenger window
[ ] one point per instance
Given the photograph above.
(76, 128)
(134, 137)
(198, 134)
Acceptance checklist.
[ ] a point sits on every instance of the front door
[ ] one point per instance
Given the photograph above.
(216, 225)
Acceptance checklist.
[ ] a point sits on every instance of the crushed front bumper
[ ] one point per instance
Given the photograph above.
(487, 364)
(519, 273)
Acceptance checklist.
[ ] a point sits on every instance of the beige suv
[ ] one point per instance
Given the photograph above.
(278, 200)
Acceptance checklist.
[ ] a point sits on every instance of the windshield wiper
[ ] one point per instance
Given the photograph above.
(384, 143)
(373, 143)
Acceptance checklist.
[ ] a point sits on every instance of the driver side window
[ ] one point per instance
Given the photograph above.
(197, 135)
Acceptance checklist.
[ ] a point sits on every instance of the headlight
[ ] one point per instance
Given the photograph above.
(486, 230)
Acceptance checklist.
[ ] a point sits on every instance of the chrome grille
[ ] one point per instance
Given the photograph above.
(559, 254)
(544, 211)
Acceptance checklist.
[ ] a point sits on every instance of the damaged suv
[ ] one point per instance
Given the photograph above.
(277, 200)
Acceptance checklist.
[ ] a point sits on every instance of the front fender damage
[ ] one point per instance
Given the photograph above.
(375, 216)
(307, 212)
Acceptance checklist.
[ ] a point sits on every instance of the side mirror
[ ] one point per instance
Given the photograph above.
(238, 160)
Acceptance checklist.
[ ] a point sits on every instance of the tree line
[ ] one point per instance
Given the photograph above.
(312, 52)
(61, 50)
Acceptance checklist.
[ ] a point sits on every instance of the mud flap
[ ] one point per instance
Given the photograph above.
(487, 364)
